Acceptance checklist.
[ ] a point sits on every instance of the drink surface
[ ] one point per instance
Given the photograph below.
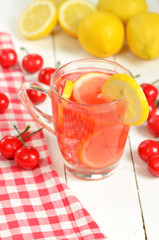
(90, 136)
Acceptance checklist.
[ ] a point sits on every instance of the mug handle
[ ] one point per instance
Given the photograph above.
(39, 116)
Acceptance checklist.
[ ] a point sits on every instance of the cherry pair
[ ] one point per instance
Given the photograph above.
(12, 147)
(148, 150)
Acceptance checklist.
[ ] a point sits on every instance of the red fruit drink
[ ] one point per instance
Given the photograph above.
(91, 132)
(89, 128)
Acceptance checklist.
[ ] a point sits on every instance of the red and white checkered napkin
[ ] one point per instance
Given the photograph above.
(35, 204)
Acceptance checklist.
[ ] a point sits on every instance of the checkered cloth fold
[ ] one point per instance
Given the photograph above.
(35, 204)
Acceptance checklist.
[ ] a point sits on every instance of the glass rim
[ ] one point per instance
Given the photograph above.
(87, 60)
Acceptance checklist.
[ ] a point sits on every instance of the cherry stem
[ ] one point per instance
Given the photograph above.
(155, 82)
(26, 129)
(136, 76)
(32, 133)
(19, 135)
(25, 50)
(58, 64)
(157, 104)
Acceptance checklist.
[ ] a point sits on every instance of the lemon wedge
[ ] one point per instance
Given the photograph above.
(37, 20)
(124, 86)
(71, 12)
(68, 89)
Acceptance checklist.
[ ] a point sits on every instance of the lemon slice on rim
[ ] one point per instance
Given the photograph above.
(71, 12)
(68, 89)
(38, 19)
(123, 85)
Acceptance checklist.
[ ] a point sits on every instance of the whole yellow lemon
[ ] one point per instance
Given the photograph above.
(142, 33)
(101, 34)
(124, 9)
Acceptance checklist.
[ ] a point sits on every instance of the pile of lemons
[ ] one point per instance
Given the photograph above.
(101, 30)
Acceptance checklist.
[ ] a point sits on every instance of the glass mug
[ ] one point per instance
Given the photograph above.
(91, 137)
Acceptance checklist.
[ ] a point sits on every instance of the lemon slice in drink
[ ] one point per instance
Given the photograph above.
(38, 19)
(71, 12)
(122, 85)
(68, 89)
(88, 88)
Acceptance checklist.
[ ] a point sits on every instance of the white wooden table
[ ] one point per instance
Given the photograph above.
(125, 205)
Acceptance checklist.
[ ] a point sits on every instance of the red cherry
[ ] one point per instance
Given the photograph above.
(150, 91)
(36, 96)
(147, 149)
(8, 57)
(45, 75)
(32, 63)
(4, 102)
(153, 165)
(152, 109)
(9, 145)
(153, 125)
(27, 157)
